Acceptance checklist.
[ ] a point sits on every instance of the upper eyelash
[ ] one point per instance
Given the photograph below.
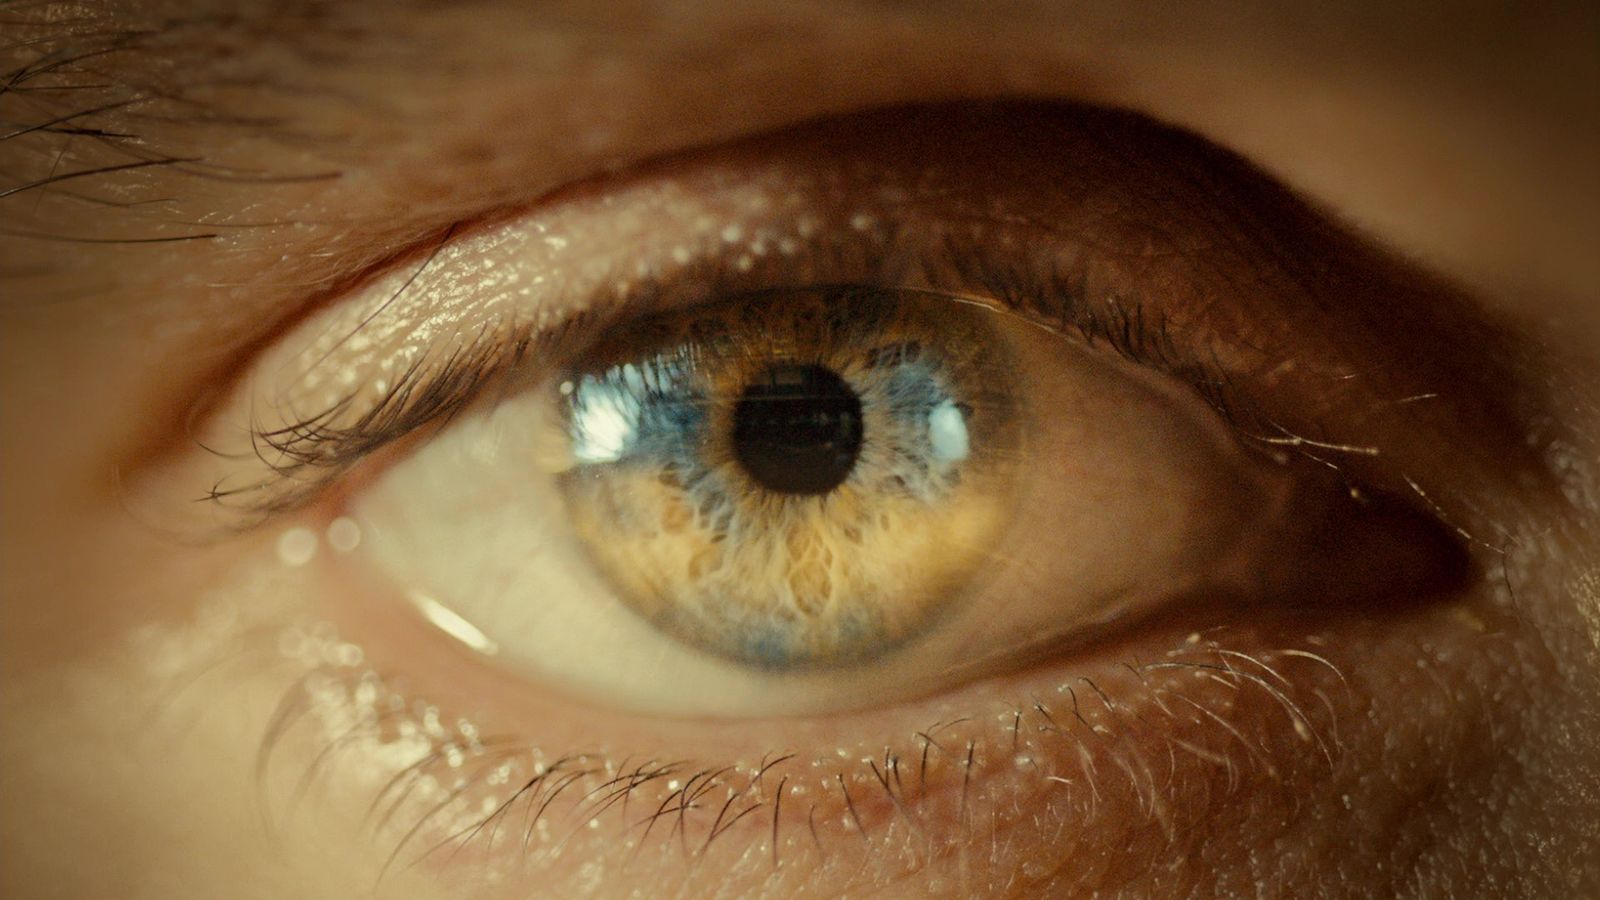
(315, 446)
(304, 456)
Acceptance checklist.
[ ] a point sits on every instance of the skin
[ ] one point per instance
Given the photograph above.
(1464, 146)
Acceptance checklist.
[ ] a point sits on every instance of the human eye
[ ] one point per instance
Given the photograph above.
(813, 500)
(936, 496)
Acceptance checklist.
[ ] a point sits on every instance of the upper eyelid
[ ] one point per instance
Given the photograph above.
(1046, 289)
(423, 396)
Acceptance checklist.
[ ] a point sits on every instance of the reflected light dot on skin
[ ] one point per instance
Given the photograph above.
(344, 535)
(296, 547)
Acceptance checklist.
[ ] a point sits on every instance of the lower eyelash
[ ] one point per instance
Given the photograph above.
(450, 794)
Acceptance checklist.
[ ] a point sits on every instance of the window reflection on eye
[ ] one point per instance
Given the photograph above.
(806, 429)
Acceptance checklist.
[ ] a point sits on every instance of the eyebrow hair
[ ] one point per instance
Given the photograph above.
(101, 99)
(90, 90)
(113, 111)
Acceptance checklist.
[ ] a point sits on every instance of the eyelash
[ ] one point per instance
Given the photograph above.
(460, 787)
(310, 453)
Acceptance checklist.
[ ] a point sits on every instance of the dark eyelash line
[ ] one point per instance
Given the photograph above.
(1139, 333)
(708, 802)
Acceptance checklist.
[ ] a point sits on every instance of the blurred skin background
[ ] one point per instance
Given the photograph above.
(182, 184)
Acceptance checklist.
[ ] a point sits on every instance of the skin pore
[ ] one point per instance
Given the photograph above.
(268, 159)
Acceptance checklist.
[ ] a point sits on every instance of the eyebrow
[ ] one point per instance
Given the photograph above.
(115, 116)
(85, 95)
(95, 90)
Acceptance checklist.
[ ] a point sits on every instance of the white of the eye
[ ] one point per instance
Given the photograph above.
(488, 546)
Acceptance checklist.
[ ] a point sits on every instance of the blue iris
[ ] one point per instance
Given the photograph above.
(648, 411)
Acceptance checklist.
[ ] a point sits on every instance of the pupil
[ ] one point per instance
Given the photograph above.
(797, 429)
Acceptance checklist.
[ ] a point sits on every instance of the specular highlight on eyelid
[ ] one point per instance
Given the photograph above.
(479, 300)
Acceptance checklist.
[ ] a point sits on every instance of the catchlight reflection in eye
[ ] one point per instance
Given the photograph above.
(797, 479)
(785, 501)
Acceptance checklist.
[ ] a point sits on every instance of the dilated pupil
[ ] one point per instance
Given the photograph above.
(797, 429)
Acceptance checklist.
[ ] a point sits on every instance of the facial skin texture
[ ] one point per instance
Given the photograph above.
(133, 717)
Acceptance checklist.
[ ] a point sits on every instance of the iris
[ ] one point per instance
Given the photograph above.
(792, 481)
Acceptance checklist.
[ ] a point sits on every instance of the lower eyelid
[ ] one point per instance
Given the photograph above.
(1130, 747)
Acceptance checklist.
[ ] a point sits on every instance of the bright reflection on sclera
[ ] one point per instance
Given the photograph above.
(450, 622)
